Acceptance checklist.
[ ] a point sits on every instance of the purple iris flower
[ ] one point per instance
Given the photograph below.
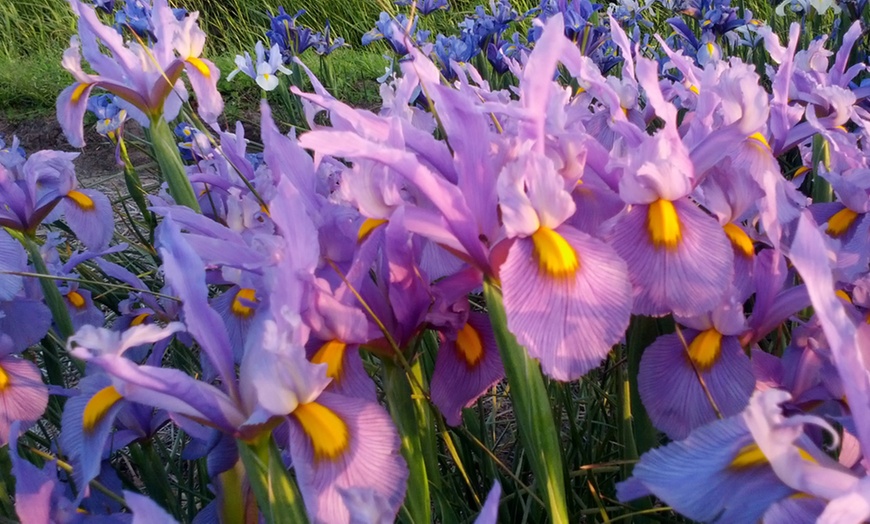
(146, 83)
(425, 7)
(326, 44)
(31, 191)
(109, 115)
(291, 39)
(392, 31)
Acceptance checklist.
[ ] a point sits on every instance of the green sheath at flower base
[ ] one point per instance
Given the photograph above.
(171, 167)
(531, 405)
(277, 494)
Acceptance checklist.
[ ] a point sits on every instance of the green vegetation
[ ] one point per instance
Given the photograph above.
(36, 33)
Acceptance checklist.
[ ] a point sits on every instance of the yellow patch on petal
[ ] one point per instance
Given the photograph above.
(664, 224)
(78, 92)
(695, 90)
(239, 308)
(710, 48)
(4, 379)
(368, 226)
(328, 433)
(705, 349)
(200, 66)
(739, 239)
(751, 455)
(330, 354)
(469, 345)
(840, 222)
(76, 299)
(99, 405)
(554, 254)
(82, 200)
(758, 137)
(800, 171)
(139, 319)
(265, 210)
(843, 295)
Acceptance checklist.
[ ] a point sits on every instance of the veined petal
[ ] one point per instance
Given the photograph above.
(702, 462)
(371, 459)
(465, 368)
(23, 396)
(12, 258)
(569, 323)
(25, 321)
(71, 106)
(203, 76)
(688, 280)
(85, 445)
(671, 390)
(89, 215)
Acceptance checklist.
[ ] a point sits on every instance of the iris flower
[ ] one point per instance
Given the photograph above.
(145, 79)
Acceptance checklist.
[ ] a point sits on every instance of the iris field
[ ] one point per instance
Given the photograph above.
(433, 261)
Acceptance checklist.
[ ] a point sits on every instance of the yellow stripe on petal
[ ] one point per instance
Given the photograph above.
(664, 224)
(139, 319)
(80, 199)
(800, 171)
(200, 66)
(239, 308)
(749, 456)
(99, 405)
(758, 137)
(368, 226)
(4, 379)
(76, 299)
(78, 92)
(328, 433)
(843, 296)
(739, 239)
(330, 354)
(705, 349)
(554, 254)
(694, 89)
(469, 345)
(840, 222)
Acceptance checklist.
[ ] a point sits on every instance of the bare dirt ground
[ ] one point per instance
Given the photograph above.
(95, 165)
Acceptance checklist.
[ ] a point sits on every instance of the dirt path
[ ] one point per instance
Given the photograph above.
(95, 164)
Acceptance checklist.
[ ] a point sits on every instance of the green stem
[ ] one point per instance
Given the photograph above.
(171, 167)
(641, 333)
(134, 184)
(822, 191)
(531, 404)
(58, 309)
(403, 400)
(277, 493)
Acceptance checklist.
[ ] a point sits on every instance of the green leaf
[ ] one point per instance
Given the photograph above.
(277, 494)
(531, 404)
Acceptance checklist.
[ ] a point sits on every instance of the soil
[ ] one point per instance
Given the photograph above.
(96, 161)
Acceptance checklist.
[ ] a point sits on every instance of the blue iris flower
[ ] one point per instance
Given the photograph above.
(425, 7)
(292, 39)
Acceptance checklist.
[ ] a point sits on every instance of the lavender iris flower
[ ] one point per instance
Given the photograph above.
(425, 7)
(291, 39)
(146, 83)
